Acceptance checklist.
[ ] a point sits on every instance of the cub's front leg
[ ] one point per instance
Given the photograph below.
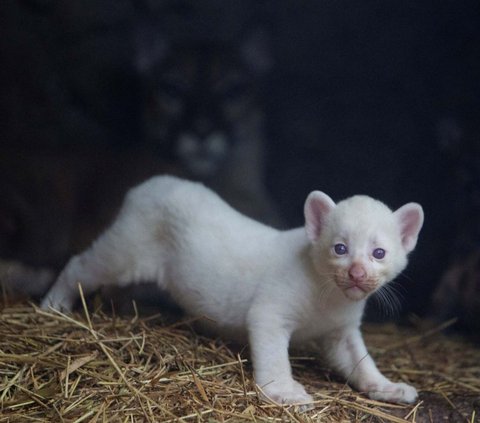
(348, 355)
(269, 340)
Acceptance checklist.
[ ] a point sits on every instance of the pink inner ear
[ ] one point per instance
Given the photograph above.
(411, 220)
(317, 207)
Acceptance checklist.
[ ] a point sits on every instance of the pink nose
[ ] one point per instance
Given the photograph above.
(357, 273)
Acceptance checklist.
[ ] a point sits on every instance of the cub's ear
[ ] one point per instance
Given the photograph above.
(410, 219)
(317, 206)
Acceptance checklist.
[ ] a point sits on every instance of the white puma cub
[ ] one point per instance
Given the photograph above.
(277, 287)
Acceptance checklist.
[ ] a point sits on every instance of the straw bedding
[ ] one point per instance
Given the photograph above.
(99, 367)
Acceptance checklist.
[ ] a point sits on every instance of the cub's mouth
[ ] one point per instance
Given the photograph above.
(356, 290)
(355, 293)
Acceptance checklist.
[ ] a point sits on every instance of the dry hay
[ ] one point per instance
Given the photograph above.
(94, 367)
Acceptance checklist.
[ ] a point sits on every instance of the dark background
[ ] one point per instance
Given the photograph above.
(375, 97)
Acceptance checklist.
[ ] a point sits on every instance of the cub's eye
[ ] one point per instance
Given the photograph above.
(340, 249)
(378, 253)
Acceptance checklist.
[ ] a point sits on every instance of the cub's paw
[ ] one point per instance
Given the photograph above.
(287, 393)
(56, 302)
(393, 392)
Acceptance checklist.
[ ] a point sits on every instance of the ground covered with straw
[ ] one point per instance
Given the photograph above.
(99, 367)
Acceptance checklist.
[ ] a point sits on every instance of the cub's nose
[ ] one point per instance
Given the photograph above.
(357, 273)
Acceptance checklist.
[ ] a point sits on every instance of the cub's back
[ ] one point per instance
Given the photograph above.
(186, 206)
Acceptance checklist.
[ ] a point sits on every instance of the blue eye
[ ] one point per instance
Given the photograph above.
(340, 249)
(378, 253)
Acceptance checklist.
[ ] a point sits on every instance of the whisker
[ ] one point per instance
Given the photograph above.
(397, 288)
(326, 291)
(405, 276)
(329, 274)
(385, 302)
(389, 298)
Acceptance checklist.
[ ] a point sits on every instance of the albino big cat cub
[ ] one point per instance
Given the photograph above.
(276, 287)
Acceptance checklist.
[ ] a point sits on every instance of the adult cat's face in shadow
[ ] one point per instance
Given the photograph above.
(198, 97)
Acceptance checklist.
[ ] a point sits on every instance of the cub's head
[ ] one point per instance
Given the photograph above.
(360, 244)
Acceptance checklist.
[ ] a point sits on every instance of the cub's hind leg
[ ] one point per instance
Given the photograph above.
(98, 266)
(64, 292)
(133, 249)
(118, 257)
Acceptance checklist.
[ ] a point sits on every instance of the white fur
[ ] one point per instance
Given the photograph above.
(274, 286)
